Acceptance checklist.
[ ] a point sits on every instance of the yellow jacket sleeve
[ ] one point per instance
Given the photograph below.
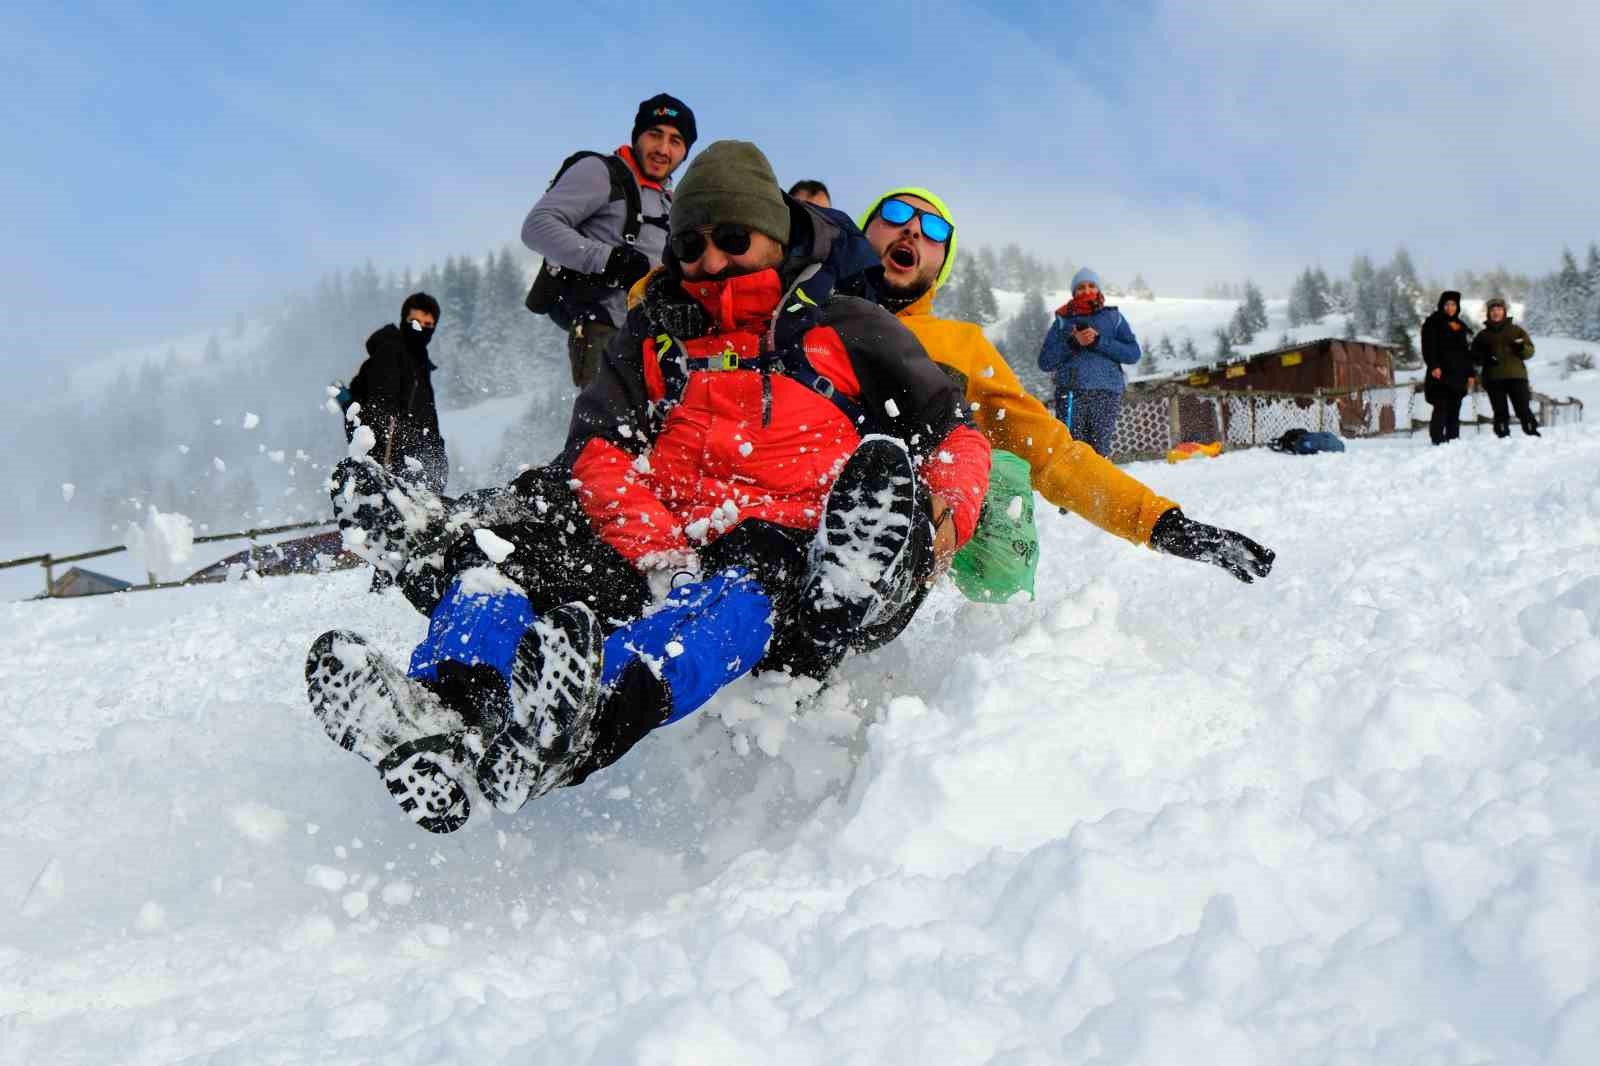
(1066, 472)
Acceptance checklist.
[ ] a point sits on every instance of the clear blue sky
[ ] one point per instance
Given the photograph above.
(164, 167)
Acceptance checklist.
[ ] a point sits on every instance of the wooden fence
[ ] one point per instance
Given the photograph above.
(49, 562)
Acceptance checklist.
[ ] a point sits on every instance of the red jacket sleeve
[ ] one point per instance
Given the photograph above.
(958, 470)
(623, 510)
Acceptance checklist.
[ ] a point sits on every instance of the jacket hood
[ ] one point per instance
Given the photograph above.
(390, 341)
(938, 205)
(829, 236)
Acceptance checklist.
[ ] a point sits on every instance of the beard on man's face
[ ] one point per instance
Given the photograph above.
(894, 297)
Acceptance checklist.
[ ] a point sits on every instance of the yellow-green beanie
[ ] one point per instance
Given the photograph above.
(939, 206)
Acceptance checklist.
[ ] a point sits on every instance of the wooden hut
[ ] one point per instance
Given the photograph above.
(80, 582)
(1332, 367)
(1328, 365)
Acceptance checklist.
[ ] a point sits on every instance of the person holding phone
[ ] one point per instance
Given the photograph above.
(1086, 348)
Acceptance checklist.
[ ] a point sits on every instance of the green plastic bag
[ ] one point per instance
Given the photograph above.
(1003, 555)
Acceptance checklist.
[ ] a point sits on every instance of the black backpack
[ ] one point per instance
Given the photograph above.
(568, 296)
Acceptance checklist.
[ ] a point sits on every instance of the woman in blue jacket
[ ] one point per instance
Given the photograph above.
(1084, 349)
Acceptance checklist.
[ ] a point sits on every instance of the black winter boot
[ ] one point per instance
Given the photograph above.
(383, 518)
(861, 561)
(368, 706)
(554, 693)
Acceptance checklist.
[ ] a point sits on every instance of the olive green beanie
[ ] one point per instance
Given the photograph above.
(731, 181)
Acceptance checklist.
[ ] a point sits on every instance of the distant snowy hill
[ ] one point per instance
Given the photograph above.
(1343, 815)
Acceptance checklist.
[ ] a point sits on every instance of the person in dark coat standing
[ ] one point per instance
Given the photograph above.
(395, 390)
(1503, 348)
(1447, 354)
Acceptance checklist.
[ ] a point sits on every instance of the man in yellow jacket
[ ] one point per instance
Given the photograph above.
(914, 233)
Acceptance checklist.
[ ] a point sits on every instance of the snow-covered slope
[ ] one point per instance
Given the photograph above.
(1345, 815)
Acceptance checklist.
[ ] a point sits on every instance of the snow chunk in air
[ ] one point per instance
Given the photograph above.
(497, 548)
(163, 543)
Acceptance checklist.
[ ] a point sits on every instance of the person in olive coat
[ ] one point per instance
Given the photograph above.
(1447, 354)
(1502, 348)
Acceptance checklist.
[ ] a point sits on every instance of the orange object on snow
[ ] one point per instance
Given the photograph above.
(1189, 449)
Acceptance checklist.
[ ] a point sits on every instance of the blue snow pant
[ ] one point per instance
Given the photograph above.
(1090, 415)
(658, 668)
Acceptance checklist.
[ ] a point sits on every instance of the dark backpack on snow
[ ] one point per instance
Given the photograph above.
(568, 296)
(1307, 442)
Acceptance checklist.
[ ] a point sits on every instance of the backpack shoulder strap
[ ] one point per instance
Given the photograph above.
(625, 188)
(573, 160)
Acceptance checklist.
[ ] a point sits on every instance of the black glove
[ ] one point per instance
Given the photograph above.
(1234, 552)
(668, 310)
(624, 266)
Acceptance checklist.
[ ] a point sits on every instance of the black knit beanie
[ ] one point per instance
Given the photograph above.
(664, 110)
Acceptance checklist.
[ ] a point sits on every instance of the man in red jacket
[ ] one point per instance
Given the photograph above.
(760, 474)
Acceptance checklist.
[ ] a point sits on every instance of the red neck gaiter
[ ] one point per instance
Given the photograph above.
(743, 302)
(1082, 305)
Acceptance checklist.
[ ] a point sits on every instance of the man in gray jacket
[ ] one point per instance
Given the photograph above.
(602, 225)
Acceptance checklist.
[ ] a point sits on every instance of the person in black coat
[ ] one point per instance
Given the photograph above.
(1447, 354)
(395, 390)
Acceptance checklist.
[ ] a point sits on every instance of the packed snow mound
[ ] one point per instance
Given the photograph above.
(1345, 814)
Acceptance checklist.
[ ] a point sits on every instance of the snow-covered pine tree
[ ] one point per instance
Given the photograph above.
(1224, 348)
(1368, 302)
(984, 307)
(1149, 362)
(1406, 358)
(1570, 296)
(1341, 297)
(1188, 352)
(1026, 329)
(1238, 328)
(1321, 301)
(990, 263)
(1590, 330)
(1013, 270)
(1404, 274)
(1299, 309)
(1254, 307)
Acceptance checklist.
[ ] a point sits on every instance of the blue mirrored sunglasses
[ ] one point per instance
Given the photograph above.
(934, 227)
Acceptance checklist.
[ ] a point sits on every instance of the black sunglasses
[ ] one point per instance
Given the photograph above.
(731, 237)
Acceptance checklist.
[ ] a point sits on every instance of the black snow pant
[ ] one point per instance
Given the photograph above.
(1516, 391)
(1445, 422)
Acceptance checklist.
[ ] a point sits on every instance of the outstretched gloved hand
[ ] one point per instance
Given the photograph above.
(1236, 553)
